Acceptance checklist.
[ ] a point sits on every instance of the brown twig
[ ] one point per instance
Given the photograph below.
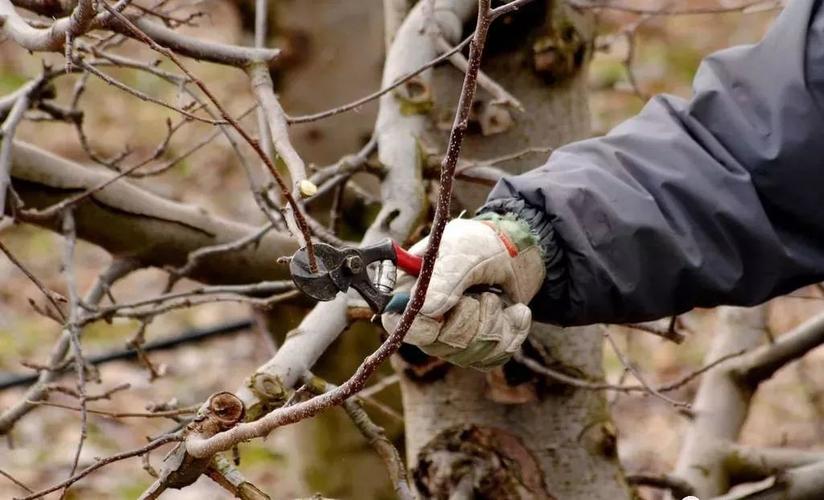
(678, 487)
(371, 97)
(631, 368)
(666, 11)
(189, 410)
(284, 188)
(539, 368)
(58, 357)
(199, 446)
(668, 333)
(156, 443)
(15, 481)
(52, 296)
(70, 236)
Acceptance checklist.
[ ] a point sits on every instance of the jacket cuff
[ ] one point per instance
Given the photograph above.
(556, 283)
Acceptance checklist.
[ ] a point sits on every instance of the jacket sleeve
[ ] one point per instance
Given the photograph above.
(715, 200)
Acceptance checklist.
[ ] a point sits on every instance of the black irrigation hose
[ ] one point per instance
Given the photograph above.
(9, 380)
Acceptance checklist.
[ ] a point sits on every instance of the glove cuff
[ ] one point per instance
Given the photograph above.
(555, 287)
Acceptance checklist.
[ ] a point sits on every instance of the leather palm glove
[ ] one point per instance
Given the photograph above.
(462, 320)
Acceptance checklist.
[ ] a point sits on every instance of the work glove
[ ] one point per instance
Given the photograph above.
(458, 322)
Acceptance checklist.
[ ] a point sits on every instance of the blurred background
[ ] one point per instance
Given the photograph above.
(326, 455)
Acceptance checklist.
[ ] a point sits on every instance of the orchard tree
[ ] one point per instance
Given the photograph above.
(470, 90)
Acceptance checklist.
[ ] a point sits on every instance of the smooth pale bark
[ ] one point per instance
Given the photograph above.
(721, 405)
(132, 223)
(709, 459)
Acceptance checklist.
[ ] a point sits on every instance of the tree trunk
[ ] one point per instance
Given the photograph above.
(548, 441)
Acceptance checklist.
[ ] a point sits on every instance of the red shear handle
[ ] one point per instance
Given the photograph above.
(408, 263)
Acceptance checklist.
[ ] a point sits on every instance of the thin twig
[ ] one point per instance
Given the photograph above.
(70, 236)
(665, 333)
(629, 366)
(145, 97)
(7, 131)
(666, 11)
(201, 446)
(52, 296)
(374, 434)
(379, 386)
(15, 481)
(371, 97)
(539, 368)
(285, 191)
(169, 438)
(189, 410)
(194, 258)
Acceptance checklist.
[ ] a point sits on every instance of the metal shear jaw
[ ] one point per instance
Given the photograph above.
(342, 268)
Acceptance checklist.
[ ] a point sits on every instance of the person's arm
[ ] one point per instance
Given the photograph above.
(715, 200)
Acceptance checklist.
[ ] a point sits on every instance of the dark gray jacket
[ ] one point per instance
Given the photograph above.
(715, 200)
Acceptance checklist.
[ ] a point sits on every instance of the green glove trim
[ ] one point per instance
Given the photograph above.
(516, 229)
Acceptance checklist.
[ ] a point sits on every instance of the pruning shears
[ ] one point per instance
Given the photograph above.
(345, 267)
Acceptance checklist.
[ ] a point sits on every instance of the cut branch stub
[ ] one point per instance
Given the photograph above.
(415, 97)
(223, 411)
(269, 392)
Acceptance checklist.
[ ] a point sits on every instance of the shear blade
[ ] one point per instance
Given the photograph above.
(318, 285)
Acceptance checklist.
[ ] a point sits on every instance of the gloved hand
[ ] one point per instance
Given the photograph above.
(477, 329)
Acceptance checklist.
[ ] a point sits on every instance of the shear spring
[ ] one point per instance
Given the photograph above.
(385, 276)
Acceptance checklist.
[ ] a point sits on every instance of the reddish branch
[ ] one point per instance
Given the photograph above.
(204, 447)
(255, 145)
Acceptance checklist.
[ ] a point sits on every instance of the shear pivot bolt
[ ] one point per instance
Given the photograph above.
(354, 263)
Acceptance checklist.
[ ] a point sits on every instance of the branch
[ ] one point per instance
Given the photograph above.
(678, 487)
(665, 333)
(170, 438)
(7, 131)
(224, 473)
(761, 364)
(15, 481)
(388, 86)
(116, 270)
(498, 92)
(557, 376)
(721, 404)
(45, 39)
(801, 483)
(198, 446)
(202, 50)
(631, 368)
(53, 38)
(126, 220)
(748, 463)
(375, 435)
(299, 220)
(52, 296)
(670, 11)
(264, 93)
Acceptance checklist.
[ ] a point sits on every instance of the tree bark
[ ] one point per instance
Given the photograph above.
(561, 442)
(132, 223)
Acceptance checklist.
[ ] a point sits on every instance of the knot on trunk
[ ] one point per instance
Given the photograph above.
(469, 461)
(560, 54)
